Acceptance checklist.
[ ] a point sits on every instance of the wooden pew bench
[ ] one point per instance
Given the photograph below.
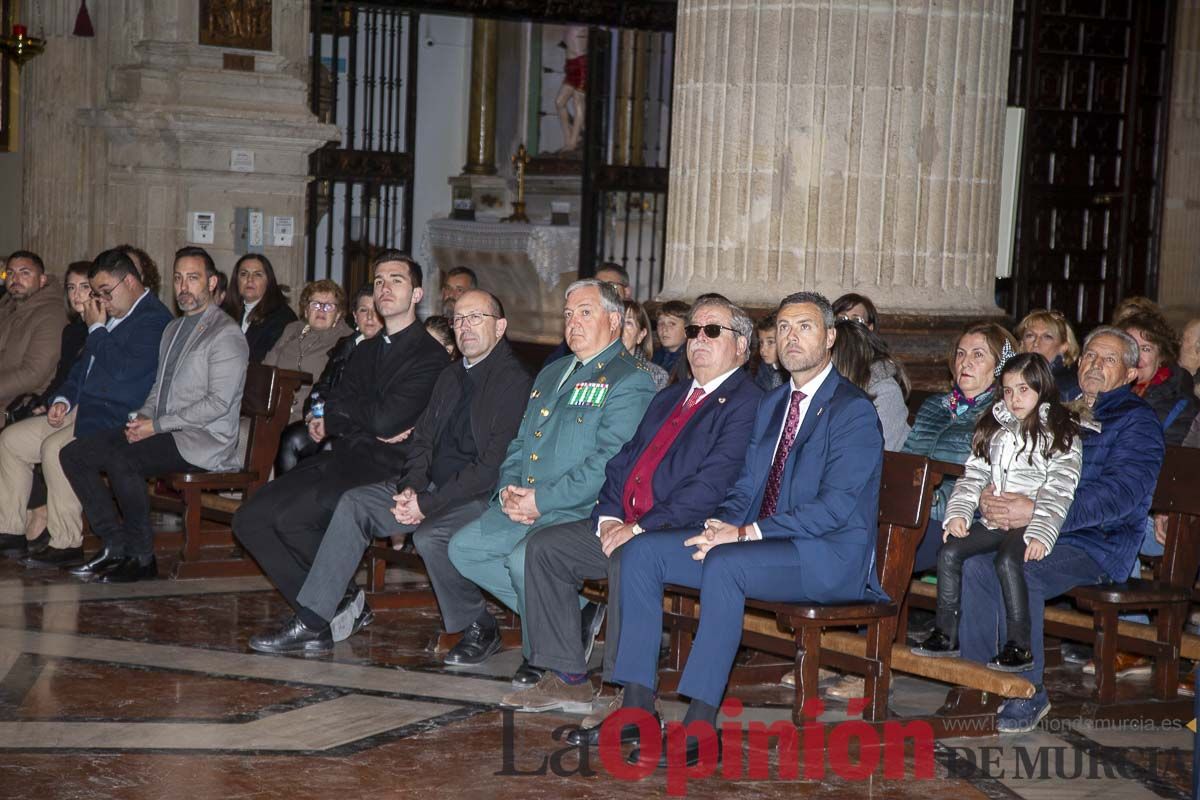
(207, 547)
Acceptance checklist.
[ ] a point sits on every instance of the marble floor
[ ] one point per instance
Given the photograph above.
(149, 691)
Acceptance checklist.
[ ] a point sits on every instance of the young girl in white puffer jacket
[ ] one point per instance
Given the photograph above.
(1029, 444)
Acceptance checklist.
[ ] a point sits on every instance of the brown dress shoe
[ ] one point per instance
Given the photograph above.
(1124, 665)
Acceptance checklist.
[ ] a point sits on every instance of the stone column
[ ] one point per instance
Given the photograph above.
(1179, 281)
(481, 124)
(838, 146)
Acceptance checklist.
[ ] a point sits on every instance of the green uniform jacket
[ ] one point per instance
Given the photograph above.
(567, 435)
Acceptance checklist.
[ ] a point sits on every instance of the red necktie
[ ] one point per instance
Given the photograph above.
(775, 476)
(696, 396)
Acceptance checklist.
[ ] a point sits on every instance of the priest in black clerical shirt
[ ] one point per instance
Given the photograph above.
(453, 464)
(384, 389)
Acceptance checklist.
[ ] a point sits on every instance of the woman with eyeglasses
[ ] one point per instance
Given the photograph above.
(1048, 333)
(635, 335)
(857, 308)
(294, 442)
(257, 301)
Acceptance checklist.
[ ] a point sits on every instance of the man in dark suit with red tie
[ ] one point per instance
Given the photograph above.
(799, 524)
(655, 482)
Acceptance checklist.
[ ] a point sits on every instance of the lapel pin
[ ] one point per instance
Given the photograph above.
(819, 410)
(722, 400)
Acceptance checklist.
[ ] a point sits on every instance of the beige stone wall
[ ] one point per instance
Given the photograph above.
(128, 132)
(1179, 283)
(838, 146)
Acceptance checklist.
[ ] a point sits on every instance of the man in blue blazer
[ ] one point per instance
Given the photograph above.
(652, 483)
(110, 378)
(798, 526)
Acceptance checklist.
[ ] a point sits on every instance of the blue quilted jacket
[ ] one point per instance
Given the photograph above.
(941, 435)
(1120, 470)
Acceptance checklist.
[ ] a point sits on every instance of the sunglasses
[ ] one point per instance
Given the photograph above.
(711, 331)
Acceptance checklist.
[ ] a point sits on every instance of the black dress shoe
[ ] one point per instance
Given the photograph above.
(691, 753)
(630, 734)
(937, 645)
(477, 645)
(99, 564)
(41, 544)
(130, 570)
(13, 545)
(591, 618)
(527, 676)
(1012, 658)
(294, 637)
(54, 558)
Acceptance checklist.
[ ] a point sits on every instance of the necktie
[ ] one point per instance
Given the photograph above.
(775, 476)
(567, 378)
(696, 396)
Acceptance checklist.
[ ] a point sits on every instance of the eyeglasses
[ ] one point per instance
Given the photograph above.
(317, 305)
(853, 318)
(105, 294)
(474, 319)
(711, 331)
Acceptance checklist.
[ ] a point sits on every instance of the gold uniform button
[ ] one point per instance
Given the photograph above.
(537, 434)
(579, 418)
(533, 456)
(530, 479)
(545, 412)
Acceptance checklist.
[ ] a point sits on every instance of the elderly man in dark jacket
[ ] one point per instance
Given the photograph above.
(453, 460)
(1122, 454)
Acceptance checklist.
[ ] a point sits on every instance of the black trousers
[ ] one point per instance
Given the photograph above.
(127, 466)
(283, 523)
(1009, 547)
(295, 446)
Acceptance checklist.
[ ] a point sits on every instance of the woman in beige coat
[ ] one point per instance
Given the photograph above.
(305, 343)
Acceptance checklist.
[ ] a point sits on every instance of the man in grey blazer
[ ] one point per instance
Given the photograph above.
(188, 423)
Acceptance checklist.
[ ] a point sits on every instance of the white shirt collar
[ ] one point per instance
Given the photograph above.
(714, 384)
(810, 388)
(248, 307)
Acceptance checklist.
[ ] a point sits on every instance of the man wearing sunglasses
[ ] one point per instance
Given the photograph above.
(798, 525)
(686, 453)
(109, 379)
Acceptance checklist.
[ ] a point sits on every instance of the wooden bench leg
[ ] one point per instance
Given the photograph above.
(808, 666)
(680, 639)
(376, 573)
(880, 637)
(191, 525)
(1164, 679)
(1104, 620)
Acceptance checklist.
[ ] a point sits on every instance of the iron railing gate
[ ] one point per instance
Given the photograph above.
(364, 80)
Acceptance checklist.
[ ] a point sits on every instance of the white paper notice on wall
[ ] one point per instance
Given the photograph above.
(201, 226)
(282, 229)
(241, 160)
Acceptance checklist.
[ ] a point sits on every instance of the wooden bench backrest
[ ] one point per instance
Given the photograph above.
(905, 497)
(1178, 496)
(267, 401)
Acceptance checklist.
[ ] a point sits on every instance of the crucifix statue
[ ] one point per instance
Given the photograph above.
(519, 160)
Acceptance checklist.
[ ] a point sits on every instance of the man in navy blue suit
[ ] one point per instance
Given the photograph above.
(799, 524)
(685, 455)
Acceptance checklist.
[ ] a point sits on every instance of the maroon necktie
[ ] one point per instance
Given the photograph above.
(696, 396)
(775, 476)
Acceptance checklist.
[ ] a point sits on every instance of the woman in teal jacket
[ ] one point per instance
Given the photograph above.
(945, 423)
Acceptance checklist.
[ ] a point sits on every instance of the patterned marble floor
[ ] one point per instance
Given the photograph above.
(148, 690)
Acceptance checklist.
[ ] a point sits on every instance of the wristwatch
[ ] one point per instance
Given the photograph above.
(743, 533)
(637, 529)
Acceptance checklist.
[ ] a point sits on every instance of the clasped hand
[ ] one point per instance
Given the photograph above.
(715, 533)
(519, 504)
(407, 511)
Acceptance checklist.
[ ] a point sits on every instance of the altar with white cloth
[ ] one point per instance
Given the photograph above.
(527, 266)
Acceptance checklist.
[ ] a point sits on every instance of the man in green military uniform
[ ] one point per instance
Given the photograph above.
(582, 409)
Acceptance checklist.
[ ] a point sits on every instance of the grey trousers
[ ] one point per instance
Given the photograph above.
(558, 560)
(364, 514)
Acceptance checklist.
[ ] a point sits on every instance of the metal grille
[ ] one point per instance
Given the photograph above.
(364, 71)
(626, 151)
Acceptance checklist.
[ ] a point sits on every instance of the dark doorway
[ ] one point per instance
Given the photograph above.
(1094, 79)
